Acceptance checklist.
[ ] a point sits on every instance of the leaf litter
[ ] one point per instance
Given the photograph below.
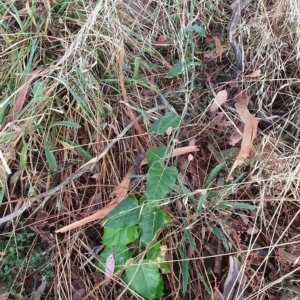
(203, 159)
(249, 132)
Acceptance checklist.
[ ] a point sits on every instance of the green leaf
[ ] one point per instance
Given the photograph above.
(185, 269)
(191, 239)
(235, 205)
(213, 174)
(125, 214)
(50, 158)
(181, 67)
(119, 236)
(65, 123)
(151, 221)
(23, 156)
(121, 255)
(78, 148)
(154, 251)
(156, 154)
(37, 90)
(177, 69)
(160, 181)
(202, 200)
(217, 232)
(146, 279)
(199, 29)
(160, 126)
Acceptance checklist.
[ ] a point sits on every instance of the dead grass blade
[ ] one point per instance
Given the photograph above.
(131, 114)
(21, 96)
(250, 130)
(118, 194)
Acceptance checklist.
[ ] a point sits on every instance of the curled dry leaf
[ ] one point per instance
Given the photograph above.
(114, 128)
(250, 130)
(252, 230)
(161, 41)
(219, 48)
(255, 73)
(220, 98)
(21, 96)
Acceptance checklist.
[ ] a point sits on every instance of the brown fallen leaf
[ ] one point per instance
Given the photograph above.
(161, 41)
(219, 48)
(220, 98)
(120, 192)
(21, 96)
(109, 267)
(255, 73)
(250, 130)
(4, 296)
(236, 136)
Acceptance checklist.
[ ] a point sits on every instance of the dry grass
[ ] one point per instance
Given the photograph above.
(77, 45)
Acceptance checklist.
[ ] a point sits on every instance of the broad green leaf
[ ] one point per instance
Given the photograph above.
(181, 67)
(66, 123)
(215, 171)
(156, 154)
(160, 181)
(146, 279)
(125, 214)
(177, 69)
(199, 29)
(151, 221)
(154, 254)
(154, 251)
(50, 158)
(121, 255)
(160, 126)
(119, 236)
(217, 232)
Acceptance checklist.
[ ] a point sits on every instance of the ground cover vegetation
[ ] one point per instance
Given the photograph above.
(149, 149)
